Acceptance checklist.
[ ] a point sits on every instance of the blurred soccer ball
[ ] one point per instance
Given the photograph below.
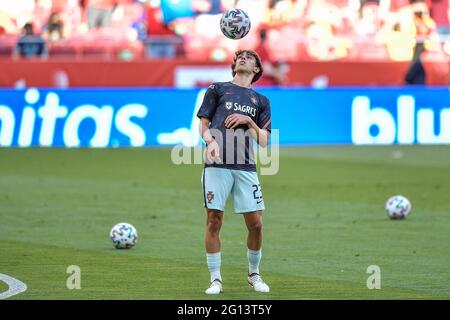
(123, 235)
(235, 24)
(398, 207)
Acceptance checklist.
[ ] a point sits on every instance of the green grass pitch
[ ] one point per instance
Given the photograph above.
(324, 225)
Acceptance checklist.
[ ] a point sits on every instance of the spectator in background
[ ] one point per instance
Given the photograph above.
(155, 19)
(425, 28)
(399, 43)
(323, 43)
(30, 45)
(7, 25)
(99, 13)
(53, 30)
(274, 71)
(20, 11)
(161, 39)
(72, 17)
(279, 13)
(369, 21)
(416, 74)
(440, 12)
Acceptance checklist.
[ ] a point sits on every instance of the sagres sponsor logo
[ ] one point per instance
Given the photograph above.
(244, 108)
(240, 107)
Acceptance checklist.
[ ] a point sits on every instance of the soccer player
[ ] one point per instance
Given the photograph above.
(232, 116)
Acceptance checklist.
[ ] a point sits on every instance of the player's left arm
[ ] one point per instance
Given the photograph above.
(259, 134)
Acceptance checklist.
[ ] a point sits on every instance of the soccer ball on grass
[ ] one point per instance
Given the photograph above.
(398, 207)
(123, 236)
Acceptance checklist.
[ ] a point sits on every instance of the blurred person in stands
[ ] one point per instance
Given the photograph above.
(416, 74)
(72, 15)
(53, 29)
(19, 11)
(274, 71)
(177, 16)
(369, 21)
(44, 9)
(7, 26)
(424, 29)
(30, 45)
(41, 12)
(155, 20)
(279, 13)
(161, 39)
(399, 43)
(440, 12)
(322, 21)
(99, 12)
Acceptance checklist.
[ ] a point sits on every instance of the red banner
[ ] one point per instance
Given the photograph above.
(161, 73)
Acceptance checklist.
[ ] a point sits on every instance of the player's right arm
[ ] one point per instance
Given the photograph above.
(212, 147)
(205, 113)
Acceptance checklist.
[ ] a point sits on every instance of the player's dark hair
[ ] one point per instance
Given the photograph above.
(257, 59)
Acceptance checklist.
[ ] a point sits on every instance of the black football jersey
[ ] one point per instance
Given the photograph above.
(236, 145)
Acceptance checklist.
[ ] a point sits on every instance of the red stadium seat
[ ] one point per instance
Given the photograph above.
(371, 51)
(7, 45)
(63, 50)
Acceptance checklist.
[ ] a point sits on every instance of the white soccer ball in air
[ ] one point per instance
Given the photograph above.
(123, 235)
(235, 24)
(398, 207)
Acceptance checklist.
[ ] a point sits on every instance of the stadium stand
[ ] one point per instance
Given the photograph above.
(297, 30)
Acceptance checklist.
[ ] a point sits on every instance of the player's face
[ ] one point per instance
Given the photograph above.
(246, 62)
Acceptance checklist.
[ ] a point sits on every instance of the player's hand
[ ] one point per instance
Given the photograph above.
(212, 152)
(235, 119)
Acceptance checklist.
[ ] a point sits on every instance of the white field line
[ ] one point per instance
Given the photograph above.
(15, 286)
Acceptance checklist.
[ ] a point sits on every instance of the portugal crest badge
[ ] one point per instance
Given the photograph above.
(210, 196)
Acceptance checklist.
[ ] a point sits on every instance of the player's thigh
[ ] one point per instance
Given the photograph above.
(247, 193)
(216, 184)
